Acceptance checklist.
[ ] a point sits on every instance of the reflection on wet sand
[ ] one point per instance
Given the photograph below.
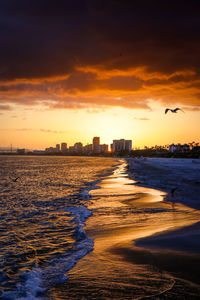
(116, 268)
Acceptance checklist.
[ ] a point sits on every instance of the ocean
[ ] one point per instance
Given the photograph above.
(43, 208)
(80, 228)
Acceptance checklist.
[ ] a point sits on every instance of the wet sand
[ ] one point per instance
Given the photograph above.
(166, 174)
(140, 246)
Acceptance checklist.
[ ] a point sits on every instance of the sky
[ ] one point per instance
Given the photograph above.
(71, 70)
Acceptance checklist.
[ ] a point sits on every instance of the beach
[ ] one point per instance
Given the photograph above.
(99, 228)
(168, 173)
(146, 238)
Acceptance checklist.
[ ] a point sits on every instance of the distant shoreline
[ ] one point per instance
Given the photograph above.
(56, 154)
(170, 155)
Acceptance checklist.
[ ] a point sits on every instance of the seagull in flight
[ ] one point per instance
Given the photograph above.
(173, 110)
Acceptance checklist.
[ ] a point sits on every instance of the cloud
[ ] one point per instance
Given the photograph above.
(4, 107)
(52, 131)
(16, 129)
(69, 58)
(142, 119)
(96, 110)
(30, 129)
(24, 129)
(85, 89)
(189, 108)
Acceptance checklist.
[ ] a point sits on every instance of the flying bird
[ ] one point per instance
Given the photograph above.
(173, 110)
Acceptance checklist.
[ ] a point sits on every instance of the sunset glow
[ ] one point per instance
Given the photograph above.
(113, 82)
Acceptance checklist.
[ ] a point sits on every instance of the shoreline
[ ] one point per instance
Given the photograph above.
(119, 267)
(185, 239)
(171, 248)
(167, 174)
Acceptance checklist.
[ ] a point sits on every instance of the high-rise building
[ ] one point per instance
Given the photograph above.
(63, 147)
(118, 145)
(57, 147)
(88, 149)
(128, 145)
(71, 149)
(96, 144)
(122, 145)
(104, 148)
(78, 147)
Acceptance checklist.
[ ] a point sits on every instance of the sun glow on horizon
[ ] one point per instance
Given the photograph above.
(40, 128)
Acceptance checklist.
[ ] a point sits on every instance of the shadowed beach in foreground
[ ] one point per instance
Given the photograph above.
(145, 244)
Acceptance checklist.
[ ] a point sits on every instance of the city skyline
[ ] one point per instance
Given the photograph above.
(95, 147)
(59, 148)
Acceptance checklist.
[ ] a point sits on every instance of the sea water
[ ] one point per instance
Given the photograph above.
(43, 208)
(71, 227)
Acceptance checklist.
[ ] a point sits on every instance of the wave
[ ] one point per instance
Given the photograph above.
(37, 281)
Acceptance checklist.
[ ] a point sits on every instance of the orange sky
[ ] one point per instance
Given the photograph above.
(106, 69)
(37, 127)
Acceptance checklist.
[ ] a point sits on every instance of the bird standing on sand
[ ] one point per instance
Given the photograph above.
(173, 110)
(173, 191)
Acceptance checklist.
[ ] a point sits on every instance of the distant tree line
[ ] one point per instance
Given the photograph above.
(161, 152)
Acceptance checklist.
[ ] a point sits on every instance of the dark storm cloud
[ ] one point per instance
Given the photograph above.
(47, 38)
(50, 39)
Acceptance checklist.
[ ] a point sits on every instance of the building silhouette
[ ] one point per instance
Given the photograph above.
(78, 147)
(63, 147)
(96, 144)
(57, 147)
(104, 148)
(179, 147)
(91, 149)
(121, 145)
(88, 149)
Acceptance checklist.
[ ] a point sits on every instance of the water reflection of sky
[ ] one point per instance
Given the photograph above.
(135, 211)
(123, 213)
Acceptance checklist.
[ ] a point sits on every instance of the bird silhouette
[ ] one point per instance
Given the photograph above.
(14, 180)
(173, 110)
(173, 191)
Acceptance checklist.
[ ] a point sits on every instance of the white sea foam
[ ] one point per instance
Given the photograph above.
(55, 272)
(30, 290)
(39, 208)
(80, 213)
(33, 285)
(85, 195)
(37, 281)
